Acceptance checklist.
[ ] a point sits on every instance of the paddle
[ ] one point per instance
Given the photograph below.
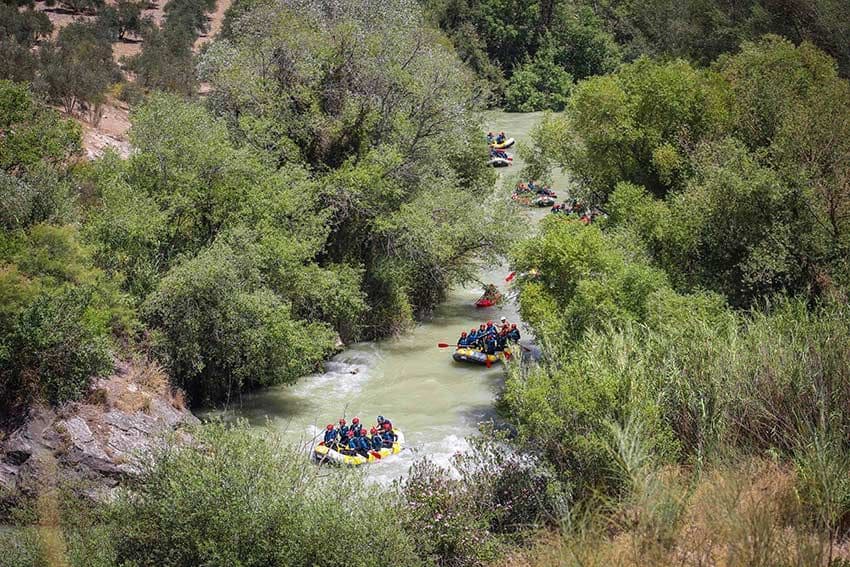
(375, 454)
(510, 277)
(443, 345)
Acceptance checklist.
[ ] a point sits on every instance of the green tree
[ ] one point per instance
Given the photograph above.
(82, 6)
(32, 133)
(220, 330)
(371, 101)
(123, 18)
(638, 125)
(166, 61)
(768, 78)
(540, 84)
(77, 68)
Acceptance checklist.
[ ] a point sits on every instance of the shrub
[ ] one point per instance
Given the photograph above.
(32, 132)
(233, 497)
(220, 331)
(58, 343)
(492, 494)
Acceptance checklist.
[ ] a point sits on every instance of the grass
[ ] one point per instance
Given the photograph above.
(746, 514)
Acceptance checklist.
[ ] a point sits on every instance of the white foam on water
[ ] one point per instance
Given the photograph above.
(344, 375)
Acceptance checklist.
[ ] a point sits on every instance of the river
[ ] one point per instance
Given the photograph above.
(436, 402)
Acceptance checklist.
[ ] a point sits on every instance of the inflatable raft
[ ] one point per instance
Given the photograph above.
(499, 162)
(543, 201)
(489, 301)
(474, 356)
(323, 453)
(504, 145)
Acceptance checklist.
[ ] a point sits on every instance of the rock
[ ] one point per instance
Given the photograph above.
(99, 443)
(8, 477)
(18, 449)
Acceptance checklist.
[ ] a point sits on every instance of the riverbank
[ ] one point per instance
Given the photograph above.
(436, 402)
(98, 442)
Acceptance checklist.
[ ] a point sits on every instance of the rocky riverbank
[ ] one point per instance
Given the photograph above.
(97, 442)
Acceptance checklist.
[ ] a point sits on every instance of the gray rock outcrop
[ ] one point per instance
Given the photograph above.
(99, 441)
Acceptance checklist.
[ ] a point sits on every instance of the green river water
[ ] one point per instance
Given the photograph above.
(436, 402)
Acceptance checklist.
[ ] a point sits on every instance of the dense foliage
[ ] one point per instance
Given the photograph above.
(58, 311)
(333, 187)
(236, 498)
(702, 323)
(510, 43)
(730, 176)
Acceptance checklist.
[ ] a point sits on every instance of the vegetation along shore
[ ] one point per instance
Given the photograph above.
(234, 232)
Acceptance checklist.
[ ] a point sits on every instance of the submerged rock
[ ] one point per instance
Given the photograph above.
(100, 440)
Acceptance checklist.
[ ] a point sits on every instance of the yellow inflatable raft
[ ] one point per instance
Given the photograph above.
(475, 356)
(504, 145)
(323, 453)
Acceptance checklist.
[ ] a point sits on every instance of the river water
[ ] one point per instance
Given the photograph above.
(436, 402)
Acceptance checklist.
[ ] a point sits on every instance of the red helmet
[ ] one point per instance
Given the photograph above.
(513, 325)
(373, 431)
(386, 426)
(463, 334)
(351, 433)
(342, 422)
(355, 421)
(330, 427)
(489, 323)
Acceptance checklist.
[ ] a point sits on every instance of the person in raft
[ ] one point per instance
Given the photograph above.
(513, 334)
(330, 435)
(463, 341)
(377, 440)
(355, 424)
(387, 435)
(504, 325)
(383, 422)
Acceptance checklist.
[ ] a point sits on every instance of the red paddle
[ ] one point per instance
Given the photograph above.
(511, 276)
(443, 345)
(375, 454)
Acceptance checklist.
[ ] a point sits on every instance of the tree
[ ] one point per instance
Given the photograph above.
(32, 133)
(78, 68)
(25, 26)
(166, 61)
(219, 330)
(372, 102)
(812, 149)
(539, 84)
(123, 18)
(82, 6)
(638, 124)
(767, 79)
